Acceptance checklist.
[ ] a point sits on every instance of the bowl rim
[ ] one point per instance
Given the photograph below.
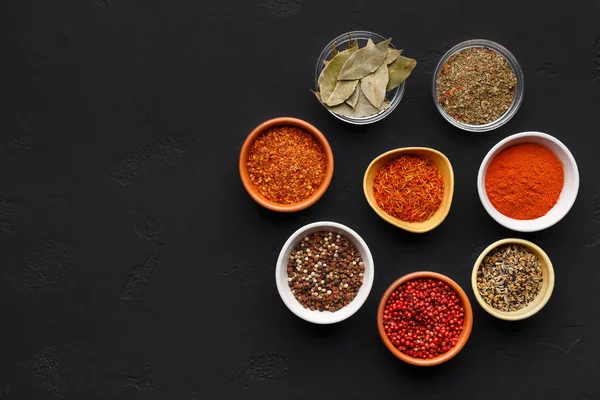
(399, 94)
(511, 223)
(294, 305)
(504, 315)
(519, 90)
(384, 215)
(467, 322)
(282, 121)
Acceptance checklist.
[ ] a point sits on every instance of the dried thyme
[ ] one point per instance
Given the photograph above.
(509, 278)
(476, 86)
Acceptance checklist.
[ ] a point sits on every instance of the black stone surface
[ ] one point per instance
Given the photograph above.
(133, 265)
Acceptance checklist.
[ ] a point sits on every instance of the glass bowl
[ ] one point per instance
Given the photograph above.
(394, 96)
(519, 90)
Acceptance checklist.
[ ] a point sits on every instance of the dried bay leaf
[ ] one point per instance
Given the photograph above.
(328, 78)
(399, 70)
(353, 99)
(373, 85)
(391, 55)
(364, 61)
(370, 43)
(343, 109)
(325, 62)
(334, 50)
(363, 107)
(342, 91)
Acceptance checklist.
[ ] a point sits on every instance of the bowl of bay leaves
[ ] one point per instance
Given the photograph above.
(360, 77)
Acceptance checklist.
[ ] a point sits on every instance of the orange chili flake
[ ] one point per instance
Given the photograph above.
(410, 188)
(286, 164)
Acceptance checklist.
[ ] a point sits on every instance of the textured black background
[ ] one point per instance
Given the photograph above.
(133, 265)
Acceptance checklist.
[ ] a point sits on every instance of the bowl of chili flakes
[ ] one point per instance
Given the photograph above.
(286, 164)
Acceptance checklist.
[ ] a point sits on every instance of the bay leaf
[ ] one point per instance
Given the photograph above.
(353, 99)
(328, 77)
(364, 61)
(370, 43)
(399, 70)
(342, 109)
(363, 107)
(342, 91)
(352, 43)
(373, 85)
(391, 55)
(334, 50)
(325, 62)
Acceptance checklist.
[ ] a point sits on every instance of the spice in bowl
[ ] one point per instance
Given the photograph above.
(476, 86)
(509, 278)
(423, 318)
(286, 164)
(410, 188)
(524, 181)
(325, 271)
(354, 82)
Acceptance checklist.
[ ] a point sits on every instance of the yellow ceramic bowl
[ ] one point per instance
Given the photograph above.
(439, 160)
(543, 296)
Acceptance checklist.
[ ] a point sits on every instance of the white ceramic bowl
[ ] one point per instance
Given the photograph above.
(567, 196)
(281, 275)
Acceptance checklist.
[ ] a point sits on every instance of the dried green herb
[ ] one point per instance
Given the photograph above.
(476, 86)
(509, 278)
(342, 91)
(392, 55)
(373, 85)
(328, 78)
(364, 61)
(363, 107)
(334, 50)
(399, 70)
(353, 99)
(377, 68)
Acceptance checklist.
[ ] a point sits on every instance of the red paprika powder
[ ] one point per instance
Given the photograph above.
(524, 181)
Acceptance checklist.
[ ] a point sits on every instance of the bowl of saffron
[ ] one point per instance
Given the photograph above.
(410, 187)
(286, 164)
(424, 318)
(528, 181)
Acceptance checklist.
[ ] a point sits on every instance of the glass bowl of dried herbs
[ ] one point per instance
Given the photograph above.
(360, 77)
(512, 279)
(478, 85)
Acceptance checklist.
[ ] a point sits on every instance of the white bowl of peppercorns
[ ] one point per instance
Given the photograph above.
(324, 272)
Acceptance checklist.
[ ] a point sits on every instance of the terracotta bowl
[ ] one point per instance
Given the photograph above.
(439, 160)
(463, 337)
(543, 296)
(259, 198)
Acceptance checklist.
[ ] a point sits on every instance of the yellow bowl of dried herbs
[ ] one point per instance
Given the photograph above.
(513, 279)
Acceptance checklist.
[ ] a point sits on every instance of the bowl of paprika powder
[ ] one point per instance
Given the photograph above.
(528, 181)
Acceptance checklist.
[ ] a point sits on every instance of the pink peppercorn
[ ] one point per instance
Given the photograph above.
(423, 318)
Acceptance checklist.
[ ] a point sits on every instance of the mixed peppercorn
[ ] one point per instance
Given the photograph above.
(325, 271)
(423, 318)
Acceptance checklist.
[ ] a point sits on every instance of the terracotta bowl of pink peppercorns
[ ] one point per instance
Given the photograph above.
(424, 318)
